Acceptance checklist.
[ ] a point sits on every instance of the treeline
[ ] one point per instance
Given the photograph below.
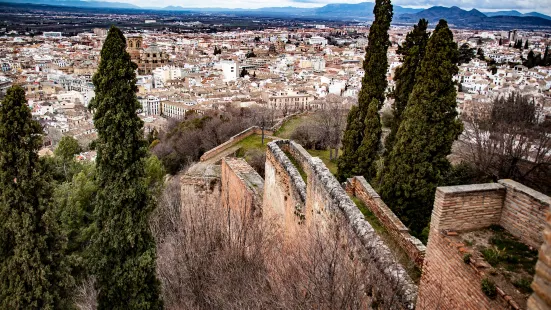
(63, 223)
(407, 166)
(183, 142)
(413, 160)
(533, 59)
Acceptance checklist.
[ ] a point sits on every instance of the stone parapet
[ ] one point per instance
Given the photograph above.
(413, 247)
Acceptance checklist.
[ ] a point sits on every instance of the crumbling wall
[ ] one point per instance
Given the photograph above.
(325, 200)
(413, 247)
(523, 213)
(284, 190)
(241, 187)
(203, 190)
(233, 141)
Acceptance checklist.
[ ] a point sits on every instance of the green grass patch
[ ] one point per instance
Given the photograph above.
(252, 142)
(287, 129)
(413, 271)
(370, 216)
(297, 165)
(508, 252)
(324, 156)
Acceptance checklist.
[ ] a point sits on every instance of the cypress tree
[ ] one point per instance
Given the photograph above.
(33, 273)
(124, 248)
(357, 156)
(526, 45)
(418, 163)
(412, 51)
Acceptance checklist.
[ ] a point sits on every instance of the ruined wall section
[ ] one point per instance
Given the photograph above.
(241, 187)
(284, 190)
(326, 201)
(414, 248)
(541, 298)
(447, 282)
(200, 190)
(233, 141)
(523, 213)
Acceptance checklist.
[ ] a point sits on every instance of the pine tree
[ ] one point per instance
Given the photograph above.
(546, 60)
(526, 45)
(418, 163)
(33, 272)
(124, 248)
(412, 51)
(500, 41)
(355, 143)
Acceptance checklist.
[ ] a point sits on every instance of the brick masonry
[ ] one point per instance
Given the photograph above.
(326, 200)
(284, 190)
(241, 187)
(541, 298)
(447, 282)
(413, 247)
(523, 213)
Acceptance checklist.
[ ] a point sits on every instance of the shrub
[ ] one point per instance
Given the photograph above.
(467, 258)
(489, 288)
(523, 284)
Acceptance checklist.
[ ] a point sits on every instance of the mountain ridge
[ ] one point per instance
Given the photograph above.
(345, 11)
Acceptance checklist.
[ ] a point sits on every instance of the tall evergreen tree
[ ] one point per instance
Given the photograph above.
(357, 156)
(526, 45)
(33, 273)
(412, 51)
(124, 248)
(418, 163)
(546, 60)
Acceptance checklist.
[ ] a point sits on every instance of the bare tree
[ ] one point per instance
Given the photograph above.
(215, 258)
(509, 139)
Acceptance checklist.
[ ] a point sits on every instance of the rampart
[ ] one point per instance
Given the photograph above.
(324, 200)
(413, 247)
(233, 140)
(447, 281)
(242, 187)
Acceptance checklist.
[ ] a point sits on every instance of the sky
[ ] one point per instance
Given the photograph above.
(541, 6)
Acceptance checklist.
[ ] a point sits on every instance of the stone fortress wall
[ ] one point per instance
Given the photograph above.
(413, 247)
(298, 189)
(322, 200)
(448, 282)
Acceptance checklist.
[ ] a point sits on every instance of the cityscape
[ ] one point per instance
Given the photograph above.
(333, 156)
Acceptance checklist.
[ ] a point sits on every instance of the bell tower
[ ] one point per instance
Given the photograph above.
(134, 46)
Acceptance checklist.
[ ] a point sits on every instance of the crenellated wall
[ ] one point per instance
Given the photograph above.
(413, 247)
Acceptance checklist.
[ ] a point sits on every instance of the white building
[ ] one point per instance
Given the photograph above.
(317, 41)
(230, 69)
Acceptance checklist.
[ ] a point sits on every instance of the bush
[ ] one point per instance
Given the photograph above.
(523, 285)
(489, 288)
(467, 258)
(491, 256)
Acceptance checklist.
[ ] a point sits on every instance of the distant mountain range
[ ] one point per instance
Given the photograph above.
(516, 13)
(359, 11)
(78, 3)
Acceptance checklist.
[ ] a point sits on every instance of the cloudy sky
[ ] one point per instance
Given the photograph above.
(542, 6)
